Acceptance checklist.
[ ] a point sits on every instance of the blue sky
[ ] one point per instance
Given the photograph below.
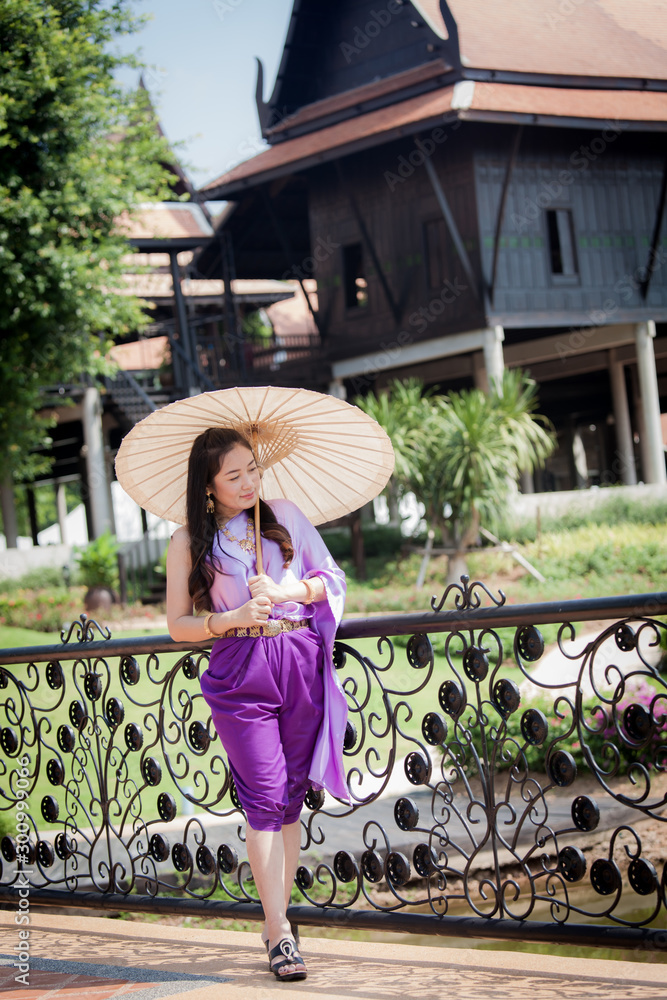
(202, 74)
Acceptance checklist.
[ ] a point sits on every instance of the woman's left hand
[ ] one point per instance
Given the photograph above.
(264, 586)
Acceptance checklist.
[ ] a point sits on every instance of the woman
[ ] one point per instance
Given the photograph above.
(275, 701)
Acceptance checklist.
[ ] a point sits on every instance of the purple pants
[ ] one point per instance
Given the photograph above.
(266, 699)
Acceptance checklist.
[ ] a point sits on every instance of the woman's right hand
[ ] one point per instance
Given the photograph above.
(253, 612)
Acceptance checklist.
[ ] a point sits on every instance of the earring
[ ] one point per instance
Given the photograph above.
(210, 506)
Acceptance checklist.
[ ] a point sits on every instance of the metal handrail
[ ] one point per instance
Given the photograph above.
(497, 840)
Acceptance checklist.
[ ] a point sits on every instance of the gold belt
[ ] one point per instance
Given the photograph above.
(271, 628)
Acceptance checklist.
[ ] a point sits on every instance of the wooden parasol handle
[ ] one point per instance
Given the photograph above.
(258, 532)
(258, 539)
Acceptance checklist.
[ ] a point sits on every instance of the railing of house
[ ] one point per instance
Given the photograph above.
(277, 351)
(477, 808)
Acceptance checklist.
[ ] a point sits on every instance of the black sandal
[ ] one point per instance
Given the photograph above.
(290, 956)
(295, 935)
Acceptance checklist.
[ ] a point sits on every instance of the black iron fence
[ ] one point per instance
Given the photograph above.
(497, 790)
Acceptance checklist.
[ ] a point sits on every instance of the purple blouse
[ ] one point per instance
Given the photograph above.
(311, 558)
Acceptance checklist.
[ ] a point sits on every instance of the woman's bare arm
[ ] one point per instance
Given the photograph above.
(297, 591)
(183, 625)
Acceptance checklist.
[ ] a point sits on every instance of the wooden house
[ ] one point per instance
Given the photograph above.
(472, 185)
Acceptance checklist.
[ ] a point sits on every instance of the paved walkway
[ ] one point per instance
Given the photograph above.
(93, 958)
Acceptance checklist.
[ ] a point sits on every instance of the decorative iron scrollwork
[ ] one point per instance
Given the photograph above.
(529, 643)
(419, 651)
(406, 814)
(572, 864)
(480, 752)
(585, 813)
(506, 696)
(83, 630)
(452, 699)
(606, 876)
(467, 595)
(166, 807)
(159, 848)
(534, 727)
(372, 866)
(345, 866)
(397, 868)
(314, 799)
(642, 876)
(418, 768)
(562, 768)
(434, 729)
(475, 663)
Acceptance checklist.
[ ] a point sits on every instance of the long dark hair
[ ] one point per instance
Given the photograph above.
(206, 457)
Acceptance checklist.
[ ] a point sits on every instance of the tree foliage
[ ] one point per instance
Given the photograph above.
(462, 452)
(401, 413)
(76, 152)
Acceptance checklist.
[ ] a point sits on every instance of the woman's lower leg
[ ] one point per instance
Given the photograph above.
(291, 844)
(267, 860)
(267, 856)
(291, 849)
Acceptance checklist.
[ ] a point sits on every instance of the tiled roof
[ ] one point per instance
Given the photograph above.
(360, 95)
(292, 316)
(141, 355)
(165, 221)
(613, 38)
(601, 105)
(483, 101)
(337, 137)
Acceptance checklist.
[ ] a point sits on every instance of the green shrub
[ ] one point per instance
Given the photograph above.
(36, 579)
(380, 540)
(610, 511)
(42, 610)
(7, 823)
(98, 562)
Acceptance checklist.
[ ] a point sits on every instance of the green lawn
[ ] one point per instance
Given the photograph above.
(582, 562)
(591, 561)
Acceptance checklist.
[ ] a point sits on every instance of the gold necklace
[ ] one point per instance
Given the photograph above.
(247, 543)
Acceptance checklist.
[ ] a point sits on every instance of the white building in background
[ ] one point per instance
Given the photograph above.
(52, 551)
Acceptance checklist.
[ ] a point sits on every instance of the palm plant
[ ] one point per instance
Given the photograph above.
(401, 412)
(461, 454)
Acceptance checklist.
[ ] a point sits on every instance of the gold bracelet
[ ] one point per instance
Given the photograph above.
(310, 591)
(207, 627)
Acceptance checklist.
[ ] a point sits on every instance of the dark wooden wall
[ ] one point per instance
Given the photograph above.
(612, 200)
(611, 187)
(395, 211)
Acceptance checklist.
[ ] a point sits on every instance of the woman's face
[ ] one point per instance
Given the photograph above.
(236, 485)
